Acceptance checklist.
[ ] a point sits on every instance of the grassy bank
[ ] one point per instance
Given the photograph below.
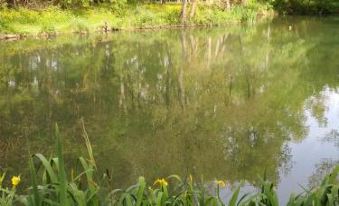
(94, 19)
(52, 183)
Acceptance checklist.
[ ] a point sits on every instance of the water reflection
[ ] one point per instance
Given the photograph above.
(316, 155)
(226, 103)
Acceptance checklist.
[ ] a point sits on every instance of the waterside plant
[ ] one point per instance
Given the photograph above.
(51, 183)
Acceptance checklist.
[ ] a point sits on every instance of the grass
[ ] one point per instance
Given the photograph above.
(91, 19)
(53, 184)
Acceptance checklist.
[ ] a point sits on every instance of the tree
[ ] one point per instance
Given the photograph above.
(183, 14)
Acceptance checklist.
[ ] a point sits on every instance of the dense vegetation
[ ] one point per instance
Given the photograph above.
(289, 6)
(37, 16)
(317, 7)
(52, 184)
(100, 18)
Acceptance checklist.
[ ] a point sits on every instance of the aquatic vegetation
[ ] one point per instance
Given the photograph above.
(325, 194)
(51, 184)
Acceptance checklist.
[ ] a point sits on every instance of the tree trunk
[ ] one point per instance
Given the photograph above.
(194, 6)
(228, 4)
(183, 11)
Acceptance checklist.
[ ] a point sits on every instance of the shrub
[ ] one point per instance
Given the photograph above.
(318, 7)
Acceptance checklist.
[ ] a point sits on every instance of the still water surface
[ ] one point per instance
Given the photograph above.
(226, 103)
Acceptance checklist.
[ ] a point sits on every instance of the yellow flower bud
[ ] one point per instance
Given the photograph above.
(220, 183)
(191, 178)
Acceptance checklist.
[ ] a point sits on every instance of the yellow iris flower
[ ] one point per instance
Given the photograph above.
(15, 180)
(161, 182)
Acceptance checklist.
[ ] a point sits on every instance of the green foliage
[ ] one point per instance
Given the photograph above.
(211, 16)
(24, 20)
(75, 3)
(318, 7)
(51, 185)
(47, 28)
(214, 15)
(79, 25)
(149, 15)
(118, 14)
(118, 7)
(176, 191)
(7, 195)
(325, 194)
(187, 192)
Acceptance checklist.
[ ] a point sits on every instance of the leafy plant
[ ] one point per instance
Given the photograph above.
(54, 187)
(8, 195)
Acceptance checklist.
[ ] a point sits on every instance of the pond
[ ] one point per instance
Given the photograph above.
(227, 103)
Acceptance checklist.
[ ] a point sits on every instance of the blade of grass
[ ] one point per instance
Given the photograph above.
(62, 174)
